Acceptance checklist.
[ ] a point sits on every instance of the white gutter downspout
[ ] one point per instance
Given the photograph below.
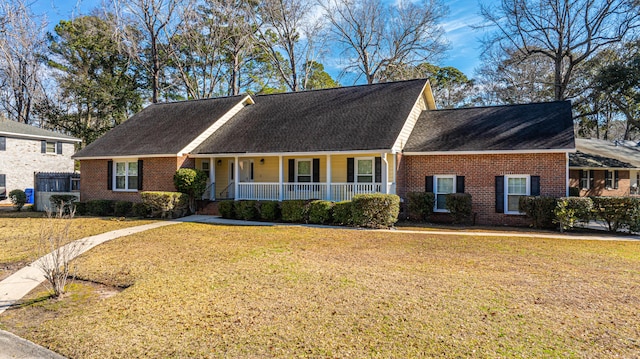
(385, 173)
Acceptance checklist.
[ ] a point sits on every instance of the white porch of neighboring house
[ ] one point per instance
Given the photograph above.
(333, 177)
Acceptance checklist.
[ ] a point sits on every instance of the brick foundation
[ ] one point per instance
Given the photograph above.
(480, 172)
(157, 176)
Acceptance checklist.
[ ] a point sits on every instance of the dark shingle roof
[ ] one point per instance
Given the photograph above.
(538, 126)
(162, 128)
(8, 127)
(594, 153)
(348, 118)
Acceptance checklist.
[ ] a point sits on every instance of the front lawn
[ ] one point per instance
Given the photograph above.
(20, 233)
(197, 290)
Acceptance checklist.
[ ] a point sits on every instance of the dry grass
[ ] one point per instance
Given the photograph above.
(196, 290)
(20, 235)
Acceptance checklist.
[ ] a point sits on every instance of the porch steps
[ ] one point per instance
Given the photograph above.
(210, 209)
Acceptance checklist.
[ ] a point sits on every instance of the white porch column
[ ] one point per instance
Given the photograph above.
(280, 179)
(385, 173)
(212, 179)
(328, 178)
(236, 177)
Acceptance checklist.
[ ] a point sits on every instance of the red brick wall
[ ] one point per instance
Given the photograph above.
(598, 189)
(157, 176)
(480, 172)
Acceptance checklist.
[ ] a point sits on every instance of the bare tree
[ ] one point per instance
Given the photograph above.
(144, 25)
(566, 33)
(376, 36)
(57, 249)
(288, 36)
(22, 40)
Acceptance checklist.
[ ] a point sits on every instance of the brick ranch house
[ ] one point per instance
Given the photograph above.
(334, 143)
(605, 168)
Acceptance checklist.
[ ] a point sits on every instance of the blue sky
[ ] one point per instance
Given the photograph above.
(464, 41)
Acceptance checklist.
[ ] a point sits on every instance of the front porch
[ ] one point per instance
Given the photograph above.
(333, 177)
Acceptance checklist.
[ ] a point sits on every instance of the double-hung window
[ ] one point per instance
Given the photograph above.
(364, 170)
(442, 187)
(516, 186)
(51, 147)
(126, 175)
(585, 179)
(304, 171)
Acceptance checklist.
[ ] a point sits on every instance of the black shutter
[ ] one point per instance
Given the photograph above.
(251, 168)
(428, 184)
(592, 175)
(140, 175)
(607, 178)
(378, 168)
(499, 194)
(616, 179)
(316, 170)
(459, 184)
(3, 143)
(59, 148)
(350, 165)
(535, 186)
(292, 170)
(3, 186)
(43, 146)
(109, 175)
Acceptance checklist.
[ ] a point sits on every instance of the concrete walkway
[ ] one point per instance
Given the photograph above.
(16, 286)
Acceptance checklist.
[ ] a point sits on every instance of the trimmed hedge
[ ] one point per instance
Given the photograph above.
(420, 205)
(122, 208)
(246, 210)
(342, 213)
(375, 210)
(81, 208)
(617, 212)
(571, 210)
(166, 204)
(18, 198)
(140, 210)
(574, 191)
(269, 210)
(540, 209)
(100, 207)
(320, 212)
(459, 206)
(294, 211)
(226, 209)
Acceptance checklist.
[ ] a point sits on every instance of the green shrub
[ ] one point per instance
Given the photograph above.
(375, 210)
(342, 213)
(420, 205)
(269, 210)
(571, 210)
(574, 191)
(614, 211)
(540, 209)
(459, 206)
(140, 209)
(18, 198)
(226, 209)
(320, 211)
(100, 207)
(166, 204)
(246, 210)
(66, 200)
(294, 211)
(192, 182)
(81, 208)
(122, 208)
(634, 217)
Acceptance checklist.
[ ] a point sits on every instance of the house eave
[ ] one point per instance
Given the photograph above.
(487, 152)
(38, 137)
(290, 154)
(107, 157)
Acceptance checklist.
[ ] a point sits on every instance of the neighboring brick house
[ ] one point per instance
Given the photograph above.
(25, 150)
(605, 168)
(334, 143)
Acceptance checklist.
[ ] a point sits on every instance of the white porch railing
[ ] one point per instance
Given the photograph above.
(258, 191)
(304, 191)
(339, 191)
(346, 191)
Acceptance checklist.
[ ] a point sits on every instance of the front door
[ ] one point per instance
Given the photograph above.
(246, 170)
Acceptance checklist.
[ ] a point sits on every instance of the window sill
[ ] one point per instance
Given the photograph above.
(441, 211)
(125, 190)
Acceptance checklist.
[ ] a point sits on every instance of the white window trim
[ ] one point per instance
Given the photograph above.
(435, 191)
(506, 191)
(373, 169)
(310, 169)
(113, 178)
(55, 148)
(588, 186)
